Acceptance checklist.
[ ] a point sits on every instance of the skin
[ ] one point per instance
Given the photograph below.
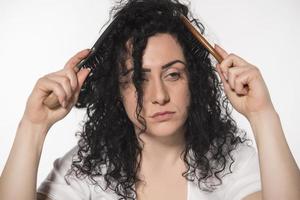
(248, 94)
(165, 89)
(20, 171)
(244, 87)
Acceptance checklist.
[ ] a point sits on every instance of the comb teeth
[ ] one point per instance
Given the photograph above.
(200, 38)
(91, 60)
(196, 47)
(199, 50)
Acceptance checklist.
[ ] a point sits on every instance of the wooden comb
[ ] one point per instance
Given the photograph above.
(200, 38)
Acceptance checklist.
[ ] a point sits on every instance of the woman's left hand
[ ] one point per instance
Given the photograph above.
(243, 85)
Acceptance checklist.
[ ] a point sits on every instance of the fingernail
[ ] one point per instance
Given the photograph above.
(89, 69)
(80, 63)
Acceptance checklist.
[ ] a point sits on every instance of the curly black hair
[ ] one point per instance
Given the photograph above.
(108, 139)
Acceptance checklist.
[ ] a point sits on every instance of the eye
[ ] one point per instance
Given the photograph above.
(174, 76)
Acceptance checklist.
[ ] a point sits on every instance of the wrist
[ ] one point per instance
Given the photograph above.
(42, 128)
(33, 133)
(262, 115)
(261, 120)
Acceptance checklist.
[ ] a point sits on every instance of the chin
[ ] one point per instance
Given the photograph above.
(164, 129)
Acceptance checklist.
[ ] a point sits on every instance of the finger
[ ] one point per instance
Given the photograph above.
(230, 61)
(241, 86)
(227, 88)
(221, 51)
(81, 77)
(65, 83)
(233, 73)
(72, 77)
(47, 86)
(70, 73)
(76, 59)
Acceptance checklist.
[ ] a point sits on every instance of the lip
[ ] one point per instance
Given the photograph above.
(162, 116)
(161, 113)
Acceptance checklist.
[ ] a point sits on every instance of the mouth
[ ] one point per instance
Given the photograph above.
(162, 116)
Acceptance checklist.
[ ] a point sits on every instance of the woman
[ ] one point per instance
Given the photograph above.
(158, 126)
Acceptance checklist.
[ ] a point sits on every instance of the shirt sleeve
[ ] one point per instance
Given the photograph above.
(245, 178)
(56, 187)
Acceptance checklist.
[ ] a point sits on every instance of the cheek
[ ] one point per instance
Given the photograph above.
(181, 96)
(183, 104)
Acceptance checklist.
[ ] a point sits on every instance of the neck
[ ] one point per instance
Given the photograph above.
(162, 150)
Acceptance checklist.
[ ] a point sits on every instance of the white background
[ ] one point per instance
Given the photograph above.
(38, 37)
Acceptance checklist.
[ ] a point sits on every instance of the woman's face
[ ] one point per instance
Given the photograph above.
(166, 93)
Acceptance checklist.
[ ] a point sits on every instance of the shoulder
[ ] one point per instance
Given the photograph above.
(240, 178)
(63, 164)
(59, 186)
(244, 155)
(56, 186)
(245, 176)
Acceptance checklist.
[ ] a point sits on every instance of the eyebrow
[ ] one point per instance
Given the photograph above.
(164, 67)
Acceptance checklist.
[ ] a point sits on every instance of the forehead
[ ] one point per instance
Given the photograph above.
(161, 49)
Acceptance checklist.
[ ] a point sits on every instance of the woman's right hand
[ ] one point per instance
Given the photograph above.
(65, 84)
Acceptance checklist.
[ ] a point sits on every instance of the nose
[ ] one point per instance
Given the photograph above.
(158, 92)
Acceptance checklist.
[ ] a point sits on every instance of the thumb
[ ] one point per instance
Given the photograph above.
(221, 51)
(82, 75)
(226, 85)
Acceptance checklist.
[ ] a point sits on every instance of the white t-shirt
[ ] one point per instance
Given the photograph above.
(244, 180)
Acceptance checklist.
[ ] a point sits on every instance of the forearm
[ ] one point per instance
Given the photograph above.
(280, 175)
(18, 179)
